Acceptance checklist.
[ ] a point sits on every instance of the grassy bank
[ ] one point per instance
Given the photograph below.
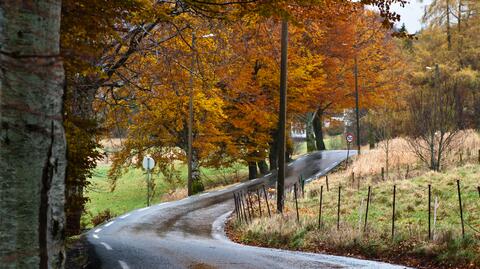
(331, 143)
(409, 245)
(130, 192)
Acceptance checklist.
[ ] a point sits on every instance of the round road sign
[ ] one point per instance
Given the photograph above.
(349, 137)
(148, 162)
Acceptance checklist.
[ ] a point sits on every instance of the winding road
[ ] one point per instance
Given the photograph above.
(189, 233)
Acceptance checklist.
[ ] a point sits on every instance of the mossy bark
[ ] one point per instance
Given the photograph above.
(311, 146)
(317, 127)
(32, 151)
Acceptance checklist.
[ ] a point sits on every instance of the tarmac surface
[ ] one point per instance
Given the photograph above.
(189, 233)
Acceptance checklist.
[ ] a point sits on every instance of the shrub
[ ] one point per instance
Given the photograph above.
(102, 217)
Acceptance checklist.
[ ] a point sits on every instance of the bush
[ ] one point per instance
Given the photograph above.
(102, 217)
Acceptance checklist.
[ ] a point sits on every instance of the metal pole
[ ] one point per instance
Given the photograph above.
(348, 152)
(282, 118)
(357, 116)
(148, 187)
(190, 120)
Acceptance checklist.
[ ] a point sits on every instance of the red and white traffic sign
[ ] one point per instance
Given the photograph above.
(349, 137)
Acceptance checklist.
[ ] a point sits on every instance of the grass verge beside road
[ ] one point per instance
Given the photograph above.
(410, 244)
(131, 191)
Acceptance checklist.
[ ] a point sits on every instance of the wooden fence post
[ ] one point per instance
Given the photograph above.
(242, 204)
(249, 201)
(320, 209)
(338, 207)
(353, 179)
(248, 207)
(259, 202)
(383, 174)
(326, 179)
(266, 200)
(366, 211)
(296, 202)
(461, 208)
(393, 211)
(408, 170)
(236, 205)
(429, 211)
(302, 182)
(478, 189)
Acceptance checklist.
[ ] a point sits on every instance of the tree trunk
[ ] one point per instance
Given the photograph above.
(79, 107)
(252, 170)
(317, 127)
(371, 137)
(263, 167)
(32, 152)
(432, 152)
(309, 133)
(273, 152)
(449, 34)
(197, 184)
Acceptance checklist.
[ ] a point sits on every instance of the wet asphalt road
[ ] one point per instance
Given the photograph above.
(189, 233)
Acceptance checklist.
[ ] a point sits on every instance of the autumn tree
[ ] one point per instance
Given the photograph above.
(341, 41)
(446, 79)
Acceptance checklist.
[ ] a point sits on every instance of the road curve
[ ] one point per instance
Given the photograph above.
(189, 233)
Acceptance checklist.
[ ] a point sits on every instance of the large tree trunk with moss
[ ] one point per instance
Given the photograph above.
(32, 152)
(309, 133)
(317, 127)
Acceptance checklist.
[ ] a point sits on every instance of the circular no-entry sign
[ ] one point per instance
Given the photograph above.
(148, 163)
(349, 137)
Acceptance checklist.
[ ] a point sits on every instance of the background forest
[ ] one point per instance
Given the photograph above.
(138, 88)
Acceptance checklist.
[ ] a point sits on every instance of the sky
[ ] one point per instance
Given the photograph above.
(411, 14)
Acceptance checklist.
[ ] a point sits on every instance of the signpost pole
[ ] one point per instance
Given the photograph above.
(148, 164)
(348, 151)
(349, 138)
(148, 187)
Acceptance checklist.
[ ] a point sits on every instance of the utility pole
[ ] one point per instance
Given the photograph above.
(357, 112)
(282, 118)
(190, 119)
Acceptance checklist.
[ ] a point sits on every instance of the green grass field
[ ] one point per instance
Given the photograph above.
(131, 191)
(331, 143)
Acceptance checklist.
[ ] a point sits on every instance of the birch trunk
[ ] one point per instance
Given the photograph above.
(32, 141)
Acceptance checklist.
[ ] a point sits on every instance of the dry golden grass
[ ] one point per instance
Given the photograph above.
(401, 157)
(175, 195)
